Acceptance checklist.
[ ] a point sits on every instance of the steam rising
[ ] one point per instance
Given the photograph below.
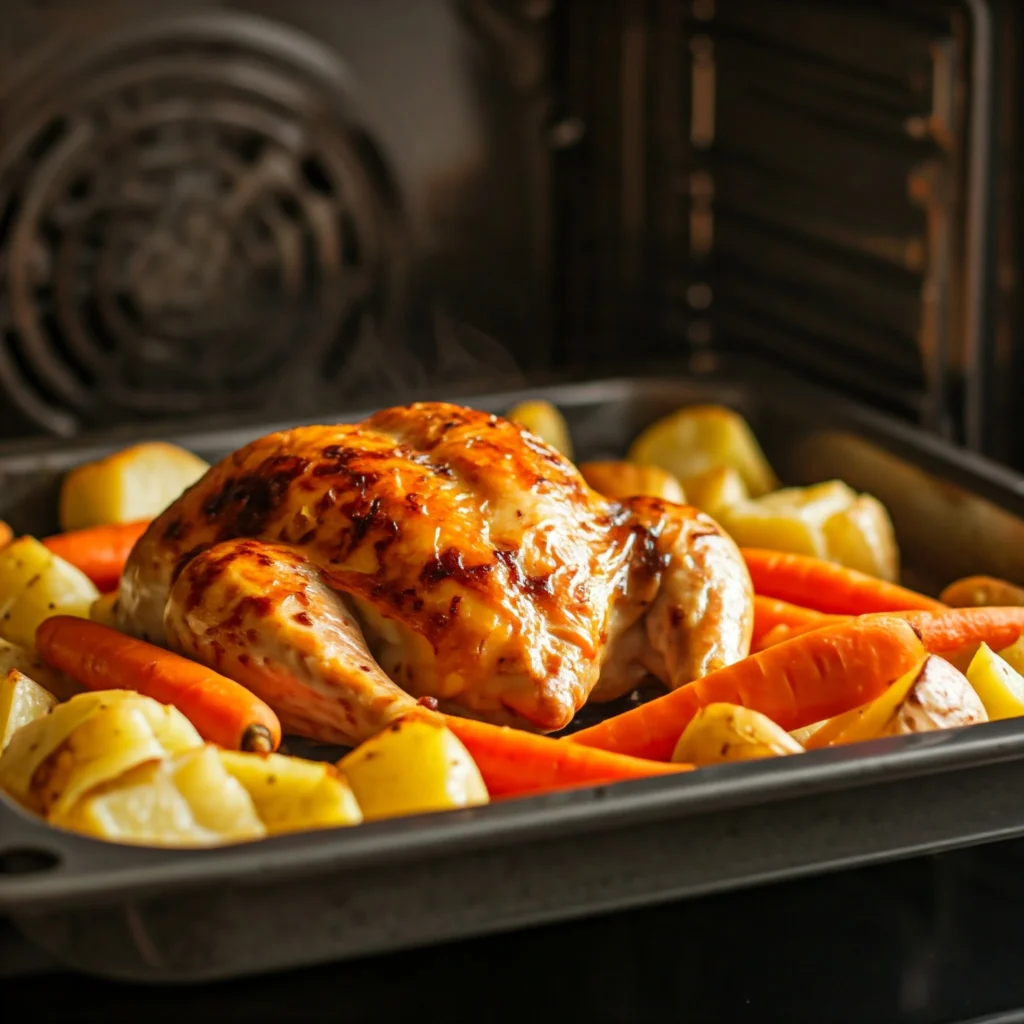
(381, 366)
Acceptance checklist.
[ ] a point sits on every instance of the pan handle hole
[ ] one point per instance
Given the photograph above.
(27, 861)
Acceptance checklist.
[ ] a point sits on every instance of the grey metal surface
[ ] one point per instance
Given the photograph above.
(174, 915)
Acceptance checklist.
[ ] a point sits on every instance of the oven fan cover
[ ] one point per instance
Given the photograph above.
(191, 219)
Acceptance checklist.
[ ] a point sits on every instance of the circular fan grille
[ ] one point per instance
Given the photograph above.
(187, 220)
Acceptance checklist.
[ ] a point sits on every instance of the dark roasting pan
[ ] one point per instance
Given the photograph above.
(164, 915)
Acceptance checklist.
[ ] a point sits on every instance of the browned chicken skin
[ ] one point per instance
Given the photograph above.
(342, 571)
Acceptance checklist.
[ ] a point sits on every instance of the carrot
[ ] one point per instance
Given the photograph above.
(947, 631)
(941, 632)
(517, 763)
(6, 535)
(828, 586)
(100, 551)
(223, 711)
(798, 682)
(783, 632)
(770, 613)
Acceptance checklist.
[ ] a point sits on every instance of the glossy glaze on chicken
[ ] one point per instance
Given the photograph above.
(343, 571)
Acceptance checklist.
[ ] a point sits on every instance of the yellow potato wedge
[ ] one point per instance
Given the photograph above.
(703, 437)
(715, 490)
(791, 519)
(617, 480)
(35, 584)
(1014, 655)
(981, 592)
(21, 701)
(136, 483)
(862, 537)
(292, 794)
(105, 745)
(544, 420)
(142, 807)
(933, 695)
(997, 683)
(802, 736)
(219, 802)
(189, 801)
(104, 609)
(720, 733)
(413, 767)
(42, 758)
(25, 659)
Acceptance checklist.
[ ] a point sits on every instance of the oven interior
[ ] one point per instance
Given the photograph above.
(288, 205)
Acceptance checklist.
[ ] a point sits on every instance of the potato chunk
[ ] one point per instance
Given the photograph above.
(104, 609)
(720, 733)
(25, 659)
(829, 521)
(186, 801)
(704, 437)
(933, 695)
(21, 701)
(616, 480)
(715, 490)
(997, 683)
(544, 420)
(292, 794)
(136, 483)
(90, 739)
(982, 591)
(35, 584)
(414, 766)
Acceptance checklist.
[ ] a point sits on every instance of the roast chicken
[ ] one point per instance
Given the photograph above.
(343, 573)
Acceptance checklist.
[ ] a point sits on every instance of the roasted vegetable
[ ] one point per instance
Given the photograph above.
(829, 521)
(414, 766)
(21, 701)
(89, 740)
(729, 732)
(104, 610)
(982, 592)
(134, 484)
(1000, 687)
(291, 794)
(716, 490)
(223, 711)
(700, 438)
(34, 585)
(932, 695)
(188, 801)
(26, 660)
(544, 420)
(617, 480)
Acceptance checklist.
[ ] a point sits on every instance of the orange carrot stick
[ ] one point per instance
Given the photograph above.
(6, 535)
(100, 551)
(517, 763)
(770, 612)
(947, 631)
(828, 586)
(942, 632)
(223, 711)
(796, 683)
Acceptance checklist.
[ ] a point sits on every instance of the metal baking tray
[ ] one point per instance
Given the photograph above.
(189, 915)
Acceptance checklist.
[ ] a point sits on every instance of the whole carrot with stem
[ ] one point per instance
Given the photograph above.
(827, 586)
(99, 551)
(811, 678)
(517, 763)
(223, 711)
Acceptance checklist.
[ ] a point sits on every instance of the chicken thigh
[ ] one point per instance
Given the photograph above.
(341, 572)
